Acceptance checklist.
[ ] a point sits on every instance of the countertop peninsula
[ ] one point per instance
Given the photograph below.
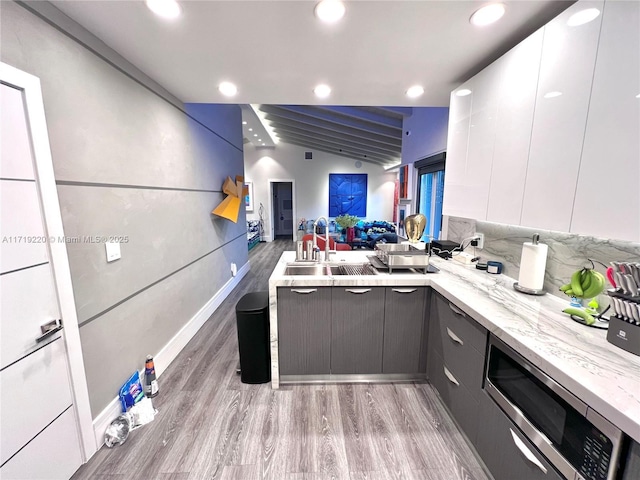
(578, 357)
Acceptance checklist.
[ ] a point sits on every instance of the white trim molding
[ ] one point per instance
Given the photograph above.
(170, 351)
(50, 205)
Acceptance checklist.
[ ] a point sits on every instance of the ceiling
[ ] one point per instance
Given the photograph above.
(276, 52)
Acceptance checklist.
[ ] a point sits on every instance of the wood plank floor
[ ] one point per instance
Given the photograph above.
(212, 426)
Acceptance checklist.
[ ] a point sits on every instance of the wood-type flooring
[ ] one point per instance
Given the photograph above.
(212, 426)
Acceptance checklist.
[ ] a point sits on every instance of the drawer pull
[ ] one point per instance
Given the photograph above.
(49, 329)
(305, 291)
(357, 290)
(454, 337)
(456, 310)
(450, 376)
(527, 453)
(404, 290)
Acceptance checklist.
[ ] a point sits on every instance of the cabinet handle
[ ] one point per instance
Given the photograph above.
(404, 290)
(308, 290)
(358, 290)
(450, 376)
(49, 329)
(527, 453)
(454, 337)
(456, 310)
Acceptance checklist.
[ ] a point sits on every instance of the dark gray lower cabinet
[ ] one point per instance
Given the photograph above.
(455, 395)
(304, 330)
(403, 329)
(505, 450)
(357, 323)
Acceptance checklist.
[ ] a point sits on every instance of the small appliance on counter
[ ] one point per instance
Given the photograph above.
(624, 324)
(532, 267)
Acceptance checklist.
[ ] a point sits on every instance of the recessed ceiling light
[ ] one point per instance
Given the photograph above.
(583, 16)
(552, 94)
(487, 15)
(415, 91)
(259, 139)
(228, 89)
(329, 11)
(244, 123)
(322, 91)
(164, 8)
(463, 92)
(251, 129)
(638, 95)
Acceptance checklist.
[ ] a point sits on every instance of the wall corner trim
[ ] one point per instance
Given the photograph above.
(170, 351)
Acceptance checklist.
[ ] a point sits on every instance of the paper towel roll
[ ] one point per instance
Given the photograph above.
(532, 265)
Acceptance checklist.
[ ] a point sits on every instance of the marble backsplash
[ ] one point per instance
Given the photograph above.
(567, 251)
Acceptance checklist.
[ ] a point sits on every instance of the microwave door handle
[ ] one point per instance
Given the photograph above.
(526, 452)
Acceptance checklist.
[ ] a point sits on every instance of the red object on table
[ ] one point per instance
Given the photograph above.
(351, 234)
(332, 244)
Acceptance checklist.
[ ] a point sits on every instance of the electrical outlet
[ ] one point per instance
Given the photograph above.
(480, 240)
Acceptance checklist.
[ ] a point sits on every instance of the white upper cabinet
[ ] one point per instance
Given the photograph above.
(457, 143)
(607, 201)
(473, 120)
(562, 102)
(514, 121)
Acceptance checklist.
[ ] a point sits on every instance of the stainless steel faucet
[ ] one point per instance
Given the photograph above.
(327, 252)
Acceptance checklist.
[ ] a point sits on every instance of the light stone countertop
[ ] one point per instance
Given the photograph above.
(578, 357)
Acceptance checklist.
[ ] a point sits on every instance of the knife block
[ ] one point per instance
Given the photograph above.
(624, 332)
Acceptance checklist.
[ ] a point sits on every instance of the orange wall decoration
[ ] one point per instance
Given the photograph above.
(229, 208)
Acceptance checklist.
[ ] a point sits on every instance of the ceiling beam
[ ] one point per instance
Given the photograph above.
(304, 119)
(315, 117)
(398, 112)
(366, 115)
(320, 133)
(283, 131)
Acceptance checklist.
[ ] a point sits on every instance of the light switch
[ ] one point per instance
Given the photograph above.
(113, 251)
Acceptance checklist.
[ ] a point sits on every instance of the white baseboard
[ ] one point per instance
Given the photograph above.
(171, 350)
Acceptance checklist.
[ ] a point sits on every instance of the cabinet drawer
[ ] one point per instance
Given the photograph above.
(465, 363)
(505, 450)
(455, 395)
(450, 324)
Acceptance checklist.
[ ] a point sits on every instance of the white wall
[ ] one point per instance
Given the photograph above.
(427, 127)
(311, 177)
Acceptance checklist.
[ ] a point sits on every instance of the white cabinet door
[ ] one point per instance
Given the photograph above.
(513, 130)
(607, 202)
(457, 143)
(467, 178)
(562, 101)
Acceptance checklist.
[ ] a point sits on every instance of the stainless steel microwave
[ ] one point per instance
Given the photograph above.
(577, 441)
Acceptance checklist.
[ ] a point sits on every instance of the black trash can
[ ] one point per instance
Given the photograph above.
(252, 316)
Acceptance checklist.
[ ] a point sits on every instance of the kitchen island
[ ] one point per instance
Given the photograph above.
(577, 357)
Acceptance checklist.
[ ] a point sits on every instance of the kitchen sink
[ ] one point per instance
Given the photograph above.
(315, 269)
(324, 269)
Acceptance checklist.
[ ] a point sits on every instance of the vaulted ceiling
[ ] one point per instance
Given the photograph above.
(370, 134)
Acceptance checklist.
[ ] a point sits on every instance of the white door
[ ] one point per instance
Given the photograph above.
(39, 432)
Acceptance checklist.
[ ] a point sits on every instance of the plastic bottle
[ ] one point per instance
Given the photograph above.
(150, 381)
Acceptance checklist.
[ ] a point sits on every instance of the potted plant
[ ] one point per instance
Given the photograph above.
(347, 222)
